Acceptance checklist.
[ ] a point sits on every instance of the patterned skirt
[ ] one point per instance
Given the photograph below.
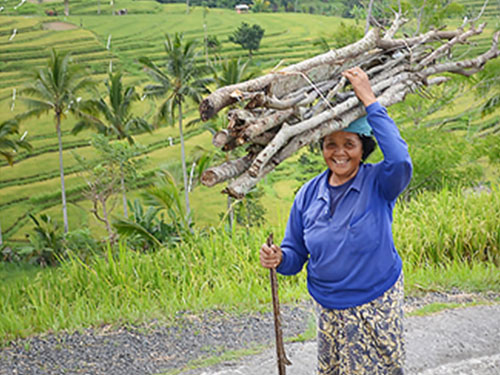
(362, 340)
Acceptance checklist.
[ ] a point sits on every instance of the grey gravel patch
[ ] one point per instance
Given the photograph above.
(157, 348)
(148, 349)
(464, 341)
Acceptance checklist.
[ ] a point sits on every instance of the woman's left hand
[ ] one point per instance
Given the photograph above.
(361, 85)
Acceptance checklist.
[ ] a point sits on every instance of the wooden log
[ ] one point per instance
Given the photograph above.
(460, 67)
(433, 35)
(288, 113)
(317, 68)
(221, 138)
(245, 182)
(442, 50)
(226, 171)
(287, 132)
(262, 125)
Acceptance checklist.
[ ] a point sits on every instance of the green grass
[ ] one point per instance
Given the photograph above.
(226, 356)
(435, 228)
(435, 308)
(218, 270)
(468, 277)
(310, 332)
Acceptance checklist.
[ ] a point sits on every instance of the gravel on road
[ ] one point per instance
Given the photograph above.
(156, 347)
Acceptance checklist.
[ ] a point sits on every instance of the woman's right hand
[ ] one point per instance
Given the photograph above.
(270, 256)
(361, 85)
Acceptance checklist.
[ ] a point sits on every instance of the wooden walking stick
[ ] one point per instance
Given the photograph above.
(280, 349)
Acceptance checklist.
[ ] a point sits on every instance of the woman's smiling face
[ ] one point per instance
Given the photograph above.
(342, 152)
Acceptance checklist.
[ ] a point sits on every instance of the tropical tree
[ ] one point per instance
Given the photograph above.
(213, 44)
(117, 121)
(248, 37)
(232, 71)
(115, 110)
(8, 145)
(101, 178)
(489, 86)
(179, 80)
(260, 6)
(102, 185)
(126, 157)
(341, 37)
(145, 228)
(55, 88)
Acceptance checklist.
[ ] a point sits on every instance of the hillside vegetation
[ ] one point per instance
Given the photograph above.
(104, 42)
(131, 37)
(445, 225)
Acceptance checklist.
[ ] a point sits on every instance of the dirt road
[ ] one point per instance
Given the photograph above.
(464, 341)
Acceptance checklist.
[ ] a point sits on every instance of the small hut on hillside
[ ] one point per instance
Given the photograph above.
(241, 8)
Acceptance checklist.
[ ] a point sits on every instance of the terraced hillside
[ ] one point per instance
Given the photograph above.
(103, 42)
(32, 185)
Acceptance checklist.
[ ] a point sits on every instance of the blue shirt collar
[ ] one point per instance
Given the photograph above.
(323, 192)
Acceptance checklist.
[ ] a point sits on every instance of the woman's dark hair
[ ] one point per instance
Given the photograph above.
(367, 143)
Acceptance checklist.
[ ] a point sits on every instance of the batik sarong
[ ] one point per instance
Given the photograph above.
(363, 340)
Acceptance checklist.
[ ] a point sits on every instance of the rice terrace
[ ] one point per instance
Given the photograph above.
(115, 255)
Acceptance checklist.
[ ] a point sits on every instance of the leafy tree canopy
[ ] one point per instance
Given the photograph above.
(248, 37)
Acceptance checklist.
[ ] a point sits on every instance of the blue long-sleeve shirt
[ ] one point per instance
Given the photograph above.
(351, 257)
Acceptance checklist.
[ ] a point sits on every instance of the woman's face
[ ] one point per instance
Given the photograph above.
(342, 152)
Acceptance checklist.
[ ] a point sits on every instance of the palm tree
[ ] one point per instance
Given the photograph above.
(178, 80)
(116, 112)
(55, 88)
(9, 145)
(117, 120)
(230, 72)
(66, 8)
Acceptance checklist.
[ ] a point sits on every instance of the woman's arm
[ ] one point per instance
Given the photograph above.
(291, 256)
(294, 249)
(396, 169)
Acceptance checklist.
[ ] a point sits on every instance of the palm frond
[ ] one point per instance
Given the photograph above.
(34, 111)
(8, 140)
(128, 228)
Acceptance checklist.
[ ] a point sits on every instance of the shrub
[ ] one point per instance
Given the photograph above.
(248, 37)
(346, 34)
(46, 246)
(146, 228)
(441, 159)
(213, 44)
(81, 243)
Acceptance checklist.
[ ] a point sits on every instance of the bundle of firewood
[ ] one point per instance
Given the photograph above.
(276, 114)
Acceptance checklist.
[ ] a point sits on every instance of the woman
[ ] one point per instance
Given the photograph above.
(340, 224)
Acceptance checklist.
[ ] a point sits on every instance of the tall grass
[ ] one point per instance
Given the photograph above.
(446, 239)
(214, 270)
(450, 225)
